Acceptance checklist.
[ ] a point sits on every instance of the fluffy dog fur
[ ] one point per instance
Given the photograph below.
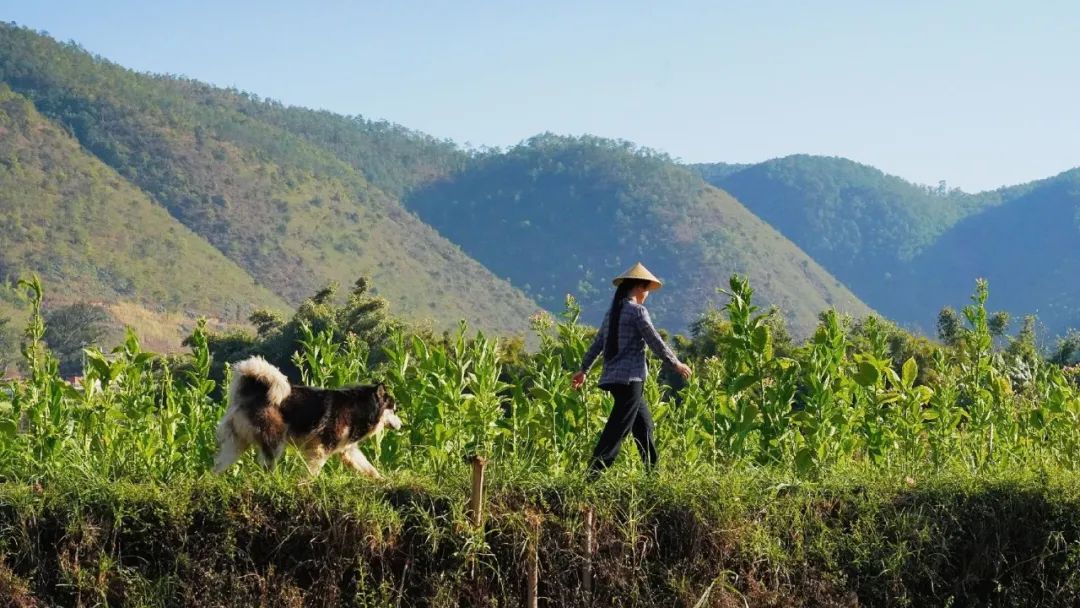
(267, 412)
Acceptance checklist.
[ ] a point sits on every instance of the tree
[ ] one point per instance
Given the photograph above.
(363, 315)
(1023, 347)
(1067, 351)
(69, 329)
(999, 323)
(949, 325)
(266, 321)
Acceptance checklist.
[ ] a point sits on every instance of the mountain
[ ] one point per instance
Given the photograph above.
(1028, 247)
(393, 158)
(163, 197)
(282, 207)
(909, 250)
(92, 236)
(862, 225)
(562, 215)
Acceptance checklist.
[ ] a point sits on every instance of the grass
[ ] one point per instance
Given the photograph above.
(858, 537)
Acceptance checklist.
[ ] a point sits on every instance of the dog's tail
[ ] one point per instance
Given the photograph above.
(256, 382)
(252, 416)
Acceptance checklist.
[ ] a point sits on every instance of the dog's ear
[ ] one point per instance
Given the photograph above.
(384, 398)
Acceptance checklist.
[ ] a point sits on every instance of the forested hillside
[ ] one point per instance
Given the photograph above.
(92, 236)
(862, 225)
(287, 211)
(1028, 248)
(284, 200)
(563, 215)
(908, 250)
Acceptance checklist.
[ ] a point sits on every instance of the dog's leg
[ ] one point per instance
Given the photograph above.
(268, 430)
(230, 447)
(315, 458)
(270, 454)
(356, 459)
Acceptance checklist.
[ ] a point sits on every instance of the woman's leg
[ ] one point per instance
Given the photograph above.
(618, 425)
(643, 430)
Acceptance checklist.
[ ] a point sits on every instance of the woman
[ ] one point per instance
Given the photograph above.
(623, 335)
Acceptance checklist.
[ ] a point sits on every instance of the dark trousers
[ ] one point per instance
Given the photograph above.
(630, 415)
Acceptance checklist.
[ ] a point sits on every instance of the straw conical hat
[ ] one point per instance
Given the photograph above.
(638, 271)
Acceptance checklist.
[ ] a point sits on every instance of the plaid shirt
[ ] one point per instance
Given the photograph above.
(635, 331)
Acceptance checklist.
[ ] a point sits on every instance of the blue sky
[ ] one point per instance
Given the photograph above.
(980, 94)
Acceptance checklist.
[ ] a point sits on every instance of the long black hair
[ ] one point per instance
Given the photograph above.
(611, 344)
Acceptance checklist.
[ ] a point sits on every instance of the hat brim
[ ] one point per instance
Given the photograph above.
(654, 285)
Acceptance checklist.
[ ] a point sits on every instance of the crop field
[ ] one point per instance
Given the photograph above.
(862, 466)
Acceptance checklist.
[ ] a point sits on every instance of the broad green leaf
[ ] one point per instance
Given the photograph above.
(740, 383)
(910, 372)
(762, 339)
(749, 413)
(804, 460)
(142, 359)
(1004, 387)
(886, 397)
(867, 375)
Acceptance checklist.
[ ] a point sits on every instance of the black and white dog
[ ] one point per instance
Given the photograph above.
(267, 412)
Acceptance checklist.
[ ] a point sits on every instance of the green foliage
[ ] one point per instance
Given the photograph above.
(785, 444)
(901, 345)
(711, 329)
(69, 329)
(612, 204)
(948, 326)
(330, 333)
(1067, 350)
(863, 393)
(1024, 246)
(266, 321)
(902, 247)
(328, 362)
(862, 225)
(92, 236)
(262, 184)
(680, 538)
(392, 157)
(295, 199)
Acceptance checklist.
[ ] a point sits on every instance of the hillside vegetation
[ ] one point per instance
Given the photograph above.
(906, 249)
(295, 199)
(288, 212)
(562, 215)
(1027, 247)
(92, 236)
(860, 224)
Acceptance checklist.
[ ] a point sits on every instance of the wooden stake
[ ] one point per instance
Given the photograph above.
(476, 501)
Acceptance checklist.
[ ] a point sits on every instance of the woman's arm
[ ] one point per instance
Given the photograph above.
(652, 337)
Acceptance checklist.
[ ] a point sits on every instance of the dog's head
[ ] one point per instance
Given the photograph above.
(370, 408)
(387, 407)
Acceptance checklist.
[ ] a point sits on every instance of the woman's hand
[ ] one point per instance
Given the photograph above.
(683, 370)
(577, 381)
